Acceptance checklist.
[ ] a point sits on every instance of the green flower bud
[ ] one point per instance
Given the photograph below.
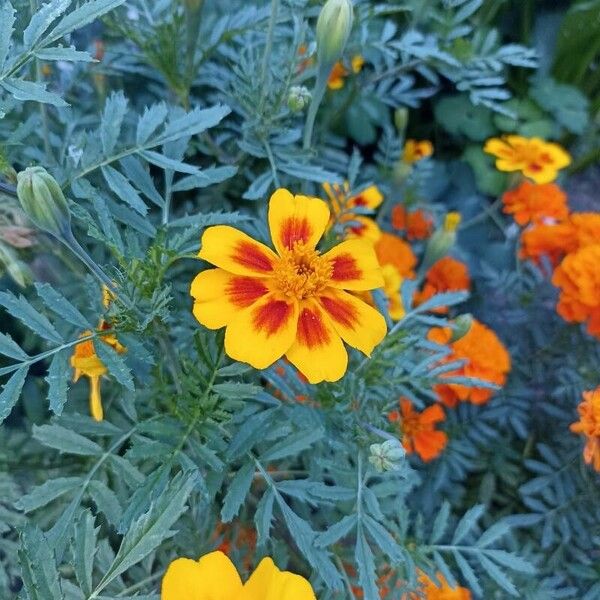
(388, 456)
(442, 239)
(401, 119)
(43, 201)
(461, 326)
(299, 98)
(333, 29)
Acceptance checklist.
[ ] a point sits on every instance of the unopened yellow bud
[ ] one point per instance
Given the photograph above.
(452, 221)
(43, 201)
(442, 240)
(333, 29)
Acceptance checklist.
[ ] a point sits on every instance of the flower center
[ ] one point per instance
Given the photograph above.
(302, 272)
(411, 424)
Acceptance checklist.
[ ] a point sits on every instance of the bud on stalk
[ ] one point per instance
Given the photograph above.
(442, 240)
(460, 327)
(333, 29)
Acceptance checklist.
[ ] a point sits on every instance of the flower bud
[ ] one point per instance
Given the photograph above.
(442, 239)
(387, 456)
(43, 201)
(460, 327)
(401, 119)
(333, 29)
(299, 98)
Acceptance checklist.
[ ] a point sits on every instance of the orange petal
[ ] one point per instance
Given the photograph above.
(355, 266)
(429, 444)
(296, 219)
(433, 414)
(236, 252)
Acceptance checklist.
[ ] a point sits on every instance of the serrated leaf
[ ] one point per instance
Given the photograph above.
(498, 576)
(10, 348)
(83, 549)
(58, 381)
(106, 501)
(58, 304)
(29, 90)
(121, 187)
(29, 316)
(496, 531)
(112, 120)
(7, 21)
(237, 491)
(263, 517)
(153, 117)
(293, 444)
(115, 364)
(49, 491)
(65, 440)
(193, 123)
(62, 53)
(236, 391)
(440, 523)
(467, 572)
(42, 19)
(366, 567)
(11, 392)
(467, 522)
(337, 531)
(383, 538)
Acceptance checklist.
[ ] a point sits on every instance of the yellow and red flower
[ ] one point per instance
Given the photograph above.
(533, 157)
(484, 356)
(536, 203)
(214, 577)
(337, 77)
(445, 275)
(417, 224)
(415, 150)
(292, 302)
(430, 590)
(578, 277)
(589, 426)
(419, 433)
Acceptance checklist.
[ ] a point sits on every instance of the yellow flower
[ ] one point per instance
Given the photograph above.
(415, 150)
(214, 577)
(293, 301)
(338, 74)
(342, 205)
(391, 288)
(535, 158)
(357, 63)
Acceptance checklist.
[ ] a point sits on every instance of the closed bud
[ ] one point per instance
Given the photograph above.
(333, 29)
(442, 239)
(43, 201)
(299, 98)
(460, 327)
(388, 456)
(401, 119)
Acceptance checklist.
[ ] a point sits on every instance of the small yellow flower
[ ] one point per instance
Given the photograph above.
(391, 288)
(452, 221)
(214, 577)
(292, 302)
(415, 150)
(337, 77)
(357, 63)
(535, 158)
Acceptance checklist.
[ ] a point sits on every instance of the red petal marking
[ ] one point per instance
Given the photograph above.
(546, 158)
(295, 229)
(342, 312)
(359, 200)
(244, 291)
(358, 229)
(535, 167)
(252, 257)
(311, 329)
(271, 317)
(345, 268)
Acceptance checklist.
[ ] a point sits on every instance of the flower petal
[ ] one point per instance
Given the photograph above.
(361, 227)
(213, 577)
(370, 197)
(296, 219)
(360, 325)
(219, 296)
(263, 332)
(355, 266)
(237, 252)
(318, 352)
(269, 583)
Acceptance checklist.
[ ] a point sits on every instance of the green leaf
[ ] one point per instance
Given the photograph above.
(7, 21)
(39, 570)
(337, 531)
(237, 491)
(65, 440)
(32, 318)
(496, 531)
(106, 501)
(112, 120)
(83, 549)
(115, 364)
(58, 304)
(10, 348)
(205, 178)
(61, 53)
(236, 391)
(366, 567)
(150, 121)
(193, 123)
(468, 521)
(120, 185)
(49, 491)
(383, 538)
(42, 19)
(440, 523)
(499, 576)
(263, 517)
(29, 90)
(11, 392)
(293, 444)
(467, 572)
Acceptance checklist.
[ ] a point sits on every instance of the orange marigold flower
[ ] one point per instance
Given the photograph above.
(485, 358)
(392, 250)
(589, 426)
(418, 429)
(418, 224)
(415, 150)
(338, 74)
(553, 241)
(445, 275)
(534, 203)
(578, 277)
(535, 158)
(430, 590)
(586, 227)
(293, 301)
(343, 205)
(214, 577)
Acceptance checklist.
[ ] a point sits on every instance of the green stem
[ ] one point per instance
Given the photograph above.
(267, 55)
(317, 98)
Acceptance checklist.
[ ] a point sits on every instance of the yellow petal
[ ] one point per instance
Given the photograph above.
(355, 266)
(269, 583)
(296, 219)
(261, 334)
(318, 352)
(96, 409)
(370, 197)
(213, 577)
(219, 296)
(236, 252)
(360, 325)
(361, 227)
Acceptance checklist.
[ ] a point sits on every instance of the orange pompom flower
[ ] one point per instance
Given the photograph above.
(535, 158)
(578, 277)
(392, 250)
(589, 426)
(535, 203)
(214, 577)
(553, 241)
(337, 77)
(418, 429)
(445, 275)
(485, 358)
(430, 590)
(415, 150)
(417, 224)
(293, 301)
